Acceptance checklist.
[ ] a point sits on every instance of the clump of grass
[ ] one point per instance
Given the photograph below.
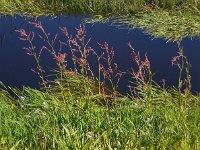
(79, 78)
(81, 108)
(90, 7)
(169, 19)
(169, 25)
(74, 65)
(38, 120)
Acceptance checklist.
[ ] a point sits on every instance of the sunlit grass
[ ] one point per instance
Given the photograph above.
(38, 120)
(171, 20)
(76, 110)
(165, 24)
(91, 7)
(73, 112)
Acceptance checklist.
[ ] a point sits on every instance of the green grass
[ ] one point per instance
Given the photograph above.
(169, 25)
(171, 19)
(38, 120)
(72, 113)
(78, 111)
(91, 7)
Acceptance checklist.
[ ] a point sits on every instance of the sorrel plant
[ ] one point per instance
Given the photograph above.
(103, 81)
(184, 78)
(107, 76)
(143, 77)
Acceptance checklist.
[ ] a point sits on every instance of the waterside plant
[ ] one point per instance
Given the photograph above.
(81, 107)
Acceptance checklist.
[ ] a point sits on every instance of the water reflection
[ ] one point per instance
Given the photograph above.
(15, 64)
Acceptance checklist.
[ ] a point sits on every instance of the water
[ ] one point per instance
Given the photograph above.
(15, 65)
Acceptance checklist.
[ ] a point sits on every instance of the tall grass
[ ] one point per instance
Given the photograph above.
(170, 19)
(90, 7)
(41, 121)
(83, 110)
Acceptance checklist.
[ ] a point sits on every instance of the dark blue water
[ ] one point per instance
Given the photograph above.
(15, 65)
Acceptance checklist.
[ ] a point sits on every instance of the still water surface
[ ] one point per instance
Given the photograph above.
(15, 65)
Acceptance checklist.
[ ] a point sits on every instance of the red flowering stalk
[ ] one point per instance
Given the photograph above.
(184, 83)
(61, 60)
(81, 33)
(48, 46)
(143, 75)
(50, 42)
(80, 50)
(80, 53)
(32, 51)
(110, 70)
(37, 25)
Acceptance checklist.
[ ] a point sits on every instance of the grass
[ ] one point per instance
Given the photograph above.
(168, 25)
(79, 110)
(171, 19)
(91, 7)
(38, 120)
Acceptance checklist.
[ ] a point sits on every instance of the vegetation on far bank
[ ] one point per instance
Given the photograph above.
(170, 19)
(108, 8)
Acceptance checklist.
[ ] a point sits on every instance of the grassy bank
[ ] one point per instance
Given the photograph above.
(92, 7)
(39, 120)
(81, 108)
(172, 19)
